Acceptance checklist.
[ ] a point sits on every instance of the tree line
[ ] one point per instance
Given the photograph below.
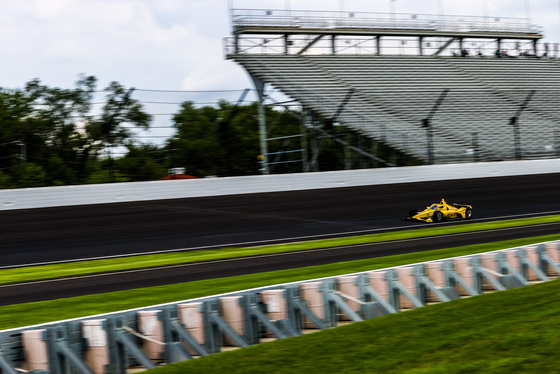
(51, 136)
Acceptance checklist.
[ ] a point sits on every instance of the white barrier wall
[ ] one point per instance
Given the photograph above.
(28, 198)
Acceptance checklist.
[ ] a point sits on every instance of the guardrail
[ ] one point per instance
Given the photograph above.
(144, 338)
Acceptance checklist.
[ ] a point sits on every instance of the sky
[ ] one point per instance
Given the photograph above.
(177, 45)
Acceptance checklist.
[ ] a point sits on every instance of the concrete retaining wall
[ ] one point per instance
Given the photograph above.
(29, 198)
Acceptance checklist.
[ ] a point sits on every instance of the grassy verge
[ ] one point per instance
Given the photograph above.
(74, 269)
(46, 311)
(504, 332)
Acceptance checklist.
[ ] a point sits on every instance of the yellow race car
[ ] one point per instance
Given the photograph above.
(440, 211)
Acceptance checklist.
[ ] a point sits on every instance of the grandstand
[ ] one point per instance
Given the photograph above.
(426, 101)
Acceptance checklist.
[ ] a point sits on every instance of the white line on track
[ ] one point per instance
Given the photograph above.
(269, 241)
(260, 256)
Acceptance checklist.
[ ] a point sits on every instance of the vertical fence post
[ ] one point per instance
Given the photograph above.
(476, 149)
(427, 123)
(514, 121)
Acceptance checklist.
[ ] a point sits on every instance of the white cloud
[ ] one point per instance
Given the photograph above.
(177, 44)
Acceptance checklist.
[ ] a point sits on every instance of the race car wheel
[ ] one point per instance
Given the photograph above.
(412, 212)
(468, 213)
(437, 216)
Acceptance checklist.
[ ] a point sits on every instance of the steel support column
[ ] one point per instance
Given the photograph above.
(427, 123)
(347, 154)
(263, 132)
(514, 122)
(476, 150)
(305, 153)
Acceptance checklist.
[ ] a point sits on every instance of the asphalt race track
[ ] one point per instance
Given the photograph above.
(47, 290)
(53, 234)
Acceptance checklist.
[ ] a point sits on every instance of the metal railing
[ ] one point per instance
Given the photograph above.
(241, 18)
(367, 45)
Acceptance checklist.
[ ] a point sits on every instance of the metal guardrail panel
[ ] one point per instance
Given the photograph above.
(168, 333)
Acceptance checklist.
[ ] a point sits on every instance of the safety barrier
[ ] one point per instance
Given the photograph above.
(43, 197)
(169, 333)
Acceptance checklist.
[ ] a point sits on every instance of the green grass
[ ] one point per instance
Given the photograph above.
(47, 311)
(74, 269)
(514, 331)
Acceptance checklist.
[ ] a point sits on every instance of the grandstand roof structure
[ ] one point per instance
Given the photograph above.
(438, 89)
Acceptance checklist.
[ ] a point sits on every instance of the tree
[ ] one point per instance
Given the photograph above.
(5, 181)
(195, 145)
(17, 129)
(32, 175)
(224, 141)
(53, 132)
(142, 163)
(119, 113)
(61, 113)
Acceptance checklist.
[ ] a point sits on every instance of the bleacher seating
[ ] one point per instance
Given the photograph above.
(395, 93)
